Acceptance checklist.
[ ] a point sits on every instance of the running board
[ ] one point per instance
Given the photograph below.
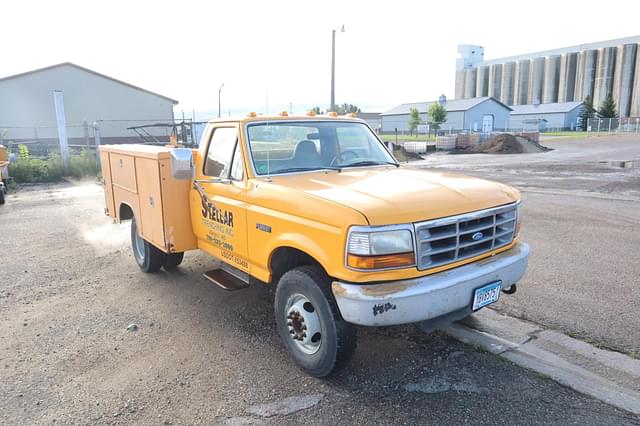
(225, 280)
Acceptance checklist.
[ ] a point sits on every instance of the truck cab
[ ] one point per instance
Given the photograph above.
(319, 207)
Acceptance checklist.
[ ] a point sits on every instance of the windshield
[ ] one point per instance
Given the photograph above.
(295, 146)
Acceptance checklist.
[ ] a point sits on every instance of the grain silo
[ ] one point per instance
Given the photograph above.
(508, 82)
(551, 78)
(521, 87)
(604, 74)
(623, 77)
(567, 84)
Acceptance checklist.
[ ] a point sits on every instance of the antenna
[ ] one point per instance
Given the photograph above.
(268, 168)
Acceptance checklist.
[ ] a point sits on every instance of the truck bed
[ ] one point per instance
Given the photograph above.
(144, 186)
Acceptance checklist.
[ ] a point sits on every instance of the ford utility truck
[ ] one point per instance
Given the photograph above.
(320, 208)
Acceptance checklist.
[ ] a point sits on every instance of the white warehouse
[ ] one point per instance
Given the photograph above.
(485, 115)
(560, 116)
(27, 108)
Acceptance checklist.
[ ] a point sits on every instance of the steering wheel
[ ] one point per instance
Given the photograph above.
(344, 156)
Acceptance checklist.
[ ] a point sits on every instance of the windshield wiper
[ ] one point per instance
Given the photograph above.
(370, 163)
(303, 169)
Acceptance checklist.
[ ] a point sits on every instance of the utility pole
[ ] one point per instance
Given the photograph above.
(332, 107)
(61, 121)
(219, 110)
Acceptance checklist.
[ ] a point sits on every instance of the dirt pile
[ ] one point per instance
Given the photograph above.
(403, 155)
(506, 143)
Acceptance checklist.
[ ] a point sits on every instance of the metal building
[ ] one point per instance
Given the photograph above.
(557, 116)
(27, 110)
(485, 114)
(560, 75)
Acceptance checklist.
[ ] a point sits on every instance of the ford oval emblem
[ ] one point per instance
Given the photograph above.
(477, 236)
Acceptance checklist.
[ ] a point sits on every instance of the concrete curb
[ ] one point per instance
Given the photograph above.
(611, 377)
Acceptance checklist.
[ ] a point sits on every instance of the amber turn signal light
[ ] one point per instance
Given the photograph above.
(381, 261)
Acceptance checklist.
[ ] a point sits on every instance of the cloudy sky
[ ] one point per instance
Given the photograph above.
(273, 54)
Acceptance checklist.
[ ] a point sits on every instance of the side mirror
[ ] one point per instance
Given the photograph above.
(182, 163)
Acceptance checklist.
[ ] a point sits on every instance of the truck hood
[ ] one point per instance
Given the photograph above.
(387, 195)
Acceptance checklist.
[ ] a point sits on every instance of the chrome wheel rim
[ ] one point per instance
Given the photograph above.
(139, 246)
(303, 324)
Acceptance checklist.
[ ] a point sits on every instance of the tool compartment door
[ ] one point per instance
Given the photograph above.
(150, 201)
(123, 171)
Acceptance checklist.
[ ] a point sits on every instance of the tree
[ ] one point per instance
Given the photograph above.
(347, 108)
(437, 115)
(587, 113)
(608, 108)
(317, 110)
(414, 120)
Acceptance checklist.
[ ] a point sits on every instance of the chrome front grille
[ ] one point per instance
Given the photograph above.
(454, 238)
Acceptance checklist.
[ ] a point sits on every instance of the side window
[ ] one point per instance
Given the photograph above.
(237, 171)
(221, 147)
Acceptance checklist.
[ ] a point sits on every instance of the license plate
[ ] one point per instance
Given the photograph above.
(486, 295)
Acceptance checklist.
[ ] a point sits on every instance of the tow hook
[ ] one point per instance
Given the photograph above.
(510, 290)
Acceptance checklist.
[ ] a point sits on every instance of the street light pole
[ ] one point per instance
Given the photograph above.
(332, 107)
(219, 109)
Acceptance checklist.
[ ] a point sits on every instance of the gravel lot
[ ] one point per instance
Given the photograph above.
(70, 288)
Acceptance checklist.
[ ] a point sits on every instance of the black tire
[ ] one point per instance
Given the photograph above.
(337, 342)
(172, 260)
(1, 196)
(148, 257)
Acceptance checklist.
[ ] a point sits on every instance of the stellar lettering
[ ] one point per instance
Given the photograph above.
(211, 212)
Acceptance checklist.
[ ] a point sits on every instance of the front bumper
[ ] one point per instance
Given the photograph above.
(429, 297)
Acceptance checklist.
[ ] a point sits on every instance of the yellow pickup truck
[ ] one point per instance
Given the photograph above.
(319, 207)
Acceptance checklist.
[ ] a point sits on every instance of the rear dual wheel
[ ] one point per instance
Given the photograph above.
(148, 257)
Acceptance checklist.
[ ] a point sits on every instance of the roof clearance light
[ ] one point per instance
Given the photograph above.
(252, 114)
(311, 113)
(332, 114)
(352, 115)
(283, 114)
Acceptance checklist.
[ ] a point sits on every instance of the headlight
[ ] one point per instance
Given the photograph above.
(380, 249)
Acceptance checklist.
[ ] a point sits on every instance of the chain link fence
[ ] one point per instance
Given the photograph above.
(608, 126)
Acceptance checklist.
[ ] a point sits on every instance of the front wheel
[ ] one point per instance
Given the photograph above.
(148, 257)
(309, 322)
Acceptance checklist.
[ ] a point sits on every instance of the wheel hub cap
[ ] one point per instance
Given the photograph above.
(303, 324)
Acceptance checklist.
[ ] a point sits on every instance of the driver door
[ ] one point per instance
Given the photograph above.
(218, 207)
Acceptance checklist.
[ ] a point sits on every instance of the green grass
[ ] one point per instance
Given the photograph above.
(597, 343)
(575, 134)
(406, 138)
(30, 170)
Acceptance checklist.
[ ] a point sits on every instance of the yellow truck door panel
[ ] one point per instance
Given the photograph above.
(218, 207)
(219, 220)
